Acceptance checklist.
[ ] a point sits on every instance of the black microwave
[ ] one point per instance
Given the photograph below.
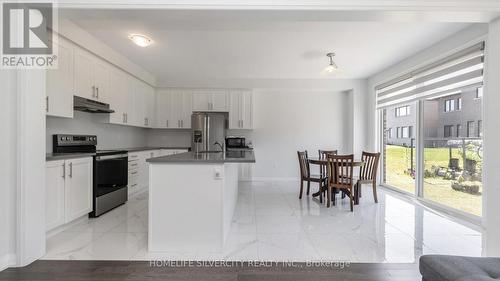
(235, 142)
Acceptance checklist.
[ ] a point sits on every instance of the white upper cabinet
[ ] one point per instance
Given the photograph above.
(241, 109)
(173, 109)
(91, 76)
(118, 97)
(163, 110)
(84, 76)
(60, 83)
(210, 100)
(181, 109)
(144, 105)
(101, 80)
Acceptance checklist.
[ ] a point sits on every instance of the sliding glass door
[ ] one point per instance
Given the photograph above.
(399, 159)
(431, 131)
(453, 150)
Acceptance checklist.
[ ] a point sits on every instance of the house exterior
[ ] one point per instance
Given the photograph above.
(447, 118)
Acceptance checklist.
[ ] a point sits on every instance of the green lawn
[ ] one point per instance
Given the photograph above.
(435, 188)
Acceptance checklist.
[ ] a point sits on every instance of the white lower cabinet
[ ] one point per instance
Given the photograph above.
(54, 194)
(68, 190)
(138, 167)
(245, 172)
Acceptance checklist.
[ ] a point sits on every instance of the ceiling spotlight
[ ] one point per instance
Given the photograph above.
(332, 66)
(141, 40)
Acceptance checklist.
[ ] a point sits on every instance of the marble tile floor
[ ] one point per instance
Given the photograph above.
(270, 223)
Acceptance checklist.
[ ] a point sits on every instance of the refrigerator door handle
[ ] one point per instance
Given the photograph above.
(207, 132)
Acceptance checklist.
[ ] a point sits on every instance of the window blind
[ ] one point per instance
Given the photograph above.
(459, 71)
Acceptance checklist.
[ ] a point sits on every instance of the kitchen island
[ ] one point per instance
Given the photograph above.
(192, 197)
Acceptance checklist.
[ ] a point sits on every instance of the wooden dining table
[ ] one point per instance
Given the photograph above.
(324, 162)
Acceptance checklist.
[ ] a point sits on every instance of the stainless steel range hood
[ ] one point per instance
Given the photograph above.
(86, 105)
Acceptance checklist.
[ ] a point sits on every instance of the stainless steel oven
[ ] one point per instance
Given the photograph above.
(110, 181)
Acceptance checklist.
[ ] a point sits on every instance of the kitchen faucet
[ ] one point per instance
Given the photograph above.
(222, 147)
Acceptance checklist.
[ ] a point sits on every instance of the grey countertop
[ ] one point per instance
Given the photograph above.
(135, 149)
(242, 156)
(62, 156)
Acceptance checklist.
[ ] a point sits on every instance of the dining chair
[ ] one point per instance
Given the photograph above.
(340, 176)
(305, 174)
(368, 172)
(323, 154)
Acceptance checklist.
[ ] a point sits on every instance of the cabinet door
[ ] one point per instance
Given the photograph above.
(186, 109)
(130, 105)
(149, 106)
(117, 95)
(201, 101)
(78, 188)
(84, 76)
(246, 100)
(139, 104)
(60, 87)
(163, 110)
(101, 80)
(54, 194)
(234, 110)
(219, 102)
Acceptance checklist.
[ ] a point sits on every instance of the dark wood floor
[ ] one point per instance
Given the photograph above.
(138, 271)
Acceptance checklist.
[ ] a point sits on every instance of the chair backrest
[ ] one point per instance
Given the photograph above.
(303, 164)
(323, 154)
(340, 170)
(370, 167)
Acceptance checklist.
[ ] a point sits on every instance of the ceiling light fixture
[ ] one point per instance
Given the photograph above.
(141, 40)
(332, 66)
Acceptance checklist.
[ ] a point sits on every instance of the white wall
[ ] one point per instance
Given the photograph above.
(8, 168)
(491, 117)
(287, 121)
(109, 136)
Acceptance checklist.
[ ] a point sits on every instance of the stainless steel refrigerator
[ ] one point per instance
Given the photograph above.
(208, 128)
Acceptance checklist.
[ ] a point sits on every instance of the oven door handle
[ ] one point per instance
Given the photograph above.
(109, 157)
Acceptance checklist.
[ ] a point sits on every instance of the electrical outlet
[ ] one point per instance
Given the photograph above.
(218, 175)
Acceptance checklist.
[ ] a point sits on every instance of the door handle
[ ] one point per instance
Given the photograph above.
(71, 169)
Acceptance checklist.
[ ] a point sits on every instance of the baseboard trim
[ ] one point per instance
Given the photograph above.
(7, 261)
(266, 179)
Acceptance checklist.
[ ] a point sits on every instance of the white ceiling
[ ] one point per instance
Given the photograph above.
(204, 45)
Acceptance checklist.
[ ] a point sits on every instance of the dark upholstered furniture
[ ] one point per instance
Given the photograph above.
(454, 268)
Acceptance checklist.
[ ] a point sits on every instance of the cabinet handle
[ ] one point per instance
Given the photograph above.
(166, 124)
(64, 171)
(133, 173)
(178, 123)
(93, 91)
(123, 117)
(97, 92)
(46, 104)
(71, 169)
(126, 118)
